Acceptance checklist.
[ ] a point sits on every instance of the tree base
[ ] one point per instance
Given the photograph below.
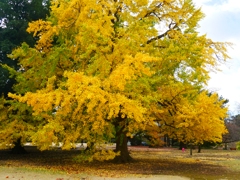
(18, 148)
(123, 159)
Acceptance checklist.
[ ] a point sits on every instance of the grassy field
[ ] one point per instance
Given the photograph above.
(149, 163)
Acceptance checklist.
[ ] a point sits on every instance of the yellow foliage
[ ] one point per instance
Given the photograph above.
(197, 120)
(45, 31)
(13, 123)
(104, 155)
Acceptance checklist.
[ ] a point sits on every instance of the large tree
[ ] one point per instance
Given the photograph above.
(103, 69)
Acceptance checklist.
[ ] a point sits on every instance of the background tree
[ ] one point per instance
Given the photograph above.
(14, 18)
(15, 125)
(194, 117)
(108, 64)
(233, 126)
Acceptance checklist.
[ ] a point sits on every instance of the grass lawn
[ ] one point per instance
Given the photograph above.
(150, 163)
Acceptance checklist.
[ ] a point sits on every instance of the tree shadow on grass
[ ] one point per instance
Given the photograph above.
(145, 163)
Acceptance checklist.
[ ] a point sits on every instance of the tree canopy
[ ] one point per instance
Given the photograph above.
(195, 119)
(112, 68)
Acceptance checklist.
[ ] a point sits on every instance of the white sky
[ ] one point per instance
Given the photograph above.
(222, 23)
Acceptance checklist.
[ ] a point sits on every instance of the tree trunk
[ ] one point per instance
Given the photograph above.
(18, 148)
(191, 147)
(225, 148)
(89, 146)
(199, 148)
(182, 145)
(121, 144)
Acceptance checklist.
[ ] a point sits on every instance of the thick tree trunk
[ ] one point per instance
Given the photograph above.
(121, 145)
(18, 148)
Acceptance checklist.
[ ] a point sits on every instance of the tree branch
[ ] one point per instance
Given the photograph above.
(158, 37)
(164, 34)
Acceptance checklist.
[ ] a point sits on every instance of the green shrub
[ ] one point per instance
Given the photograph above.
(238, 145)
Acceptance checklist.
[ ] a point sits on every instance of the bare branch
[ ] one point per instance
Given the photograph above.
(158, 37)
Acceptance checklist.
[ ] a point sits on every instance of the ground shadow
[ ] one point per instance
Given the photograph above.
(146, 163)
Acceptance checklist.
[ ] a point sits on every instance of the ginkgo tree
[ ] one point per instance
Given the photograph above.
(102, 68)
(193, 117)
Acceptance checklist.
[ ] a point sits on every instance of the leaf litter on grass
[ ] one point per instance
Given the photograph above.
(147, 162)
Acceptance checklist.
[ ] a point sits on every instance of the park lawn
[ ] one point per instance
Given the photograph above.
(148, 162)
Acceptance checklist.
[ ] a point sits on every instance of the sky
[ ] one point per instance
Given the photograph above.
(222, 23)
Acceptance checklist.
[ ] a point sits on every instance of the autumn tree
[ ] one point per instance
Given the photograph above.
(194, 119)
(103, 68)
